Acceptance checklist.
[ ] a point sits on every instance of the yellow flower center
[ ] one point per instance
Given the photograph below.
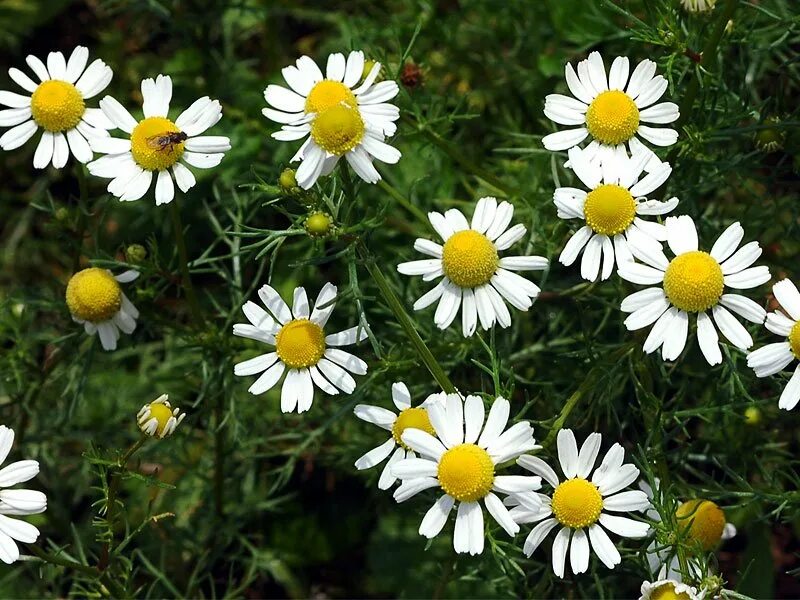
(318, 224)
(327, 94)
(466, 472)
(693, 281)
(93, 295)
(612, 117)
(666, 591)
(150, 146)
(794, 339)
(706, 522)
(57, 105)
(161, 413)
(411, 418)
(469, 259)
(338, 129)
(577, 503)
(609, 209)
(300, 344)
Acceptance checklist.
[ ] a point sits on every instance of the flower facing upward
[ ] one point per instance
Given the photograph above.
(581, 506)
(611, 109)
(773, 358)
(157, 146)
(302, 350)
(460, 458)
(612, 210)
(158, 418)
(57, 105)
(473, 276)
(16, 502)
(694, 282)
(415, 417)
(343, 113)
(96, 300)
(668, 589)
(698, 6)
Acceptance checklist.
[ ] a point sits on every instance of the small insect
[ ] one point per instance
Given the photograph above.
(165, 142)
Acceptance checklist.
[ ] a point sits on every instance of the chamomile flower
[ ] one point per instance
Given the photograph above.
(96, 300)
(157, 146)
(581, 505)
(461, 459)
(694, 283)
(302, 350)
(612, 210)
(697, 6)
(158, 418)
(473, 276)
(611, 110)
(409, 417)
(669, 589)
(338, 114)
(57, 106)
(773, 358)
(16, 502)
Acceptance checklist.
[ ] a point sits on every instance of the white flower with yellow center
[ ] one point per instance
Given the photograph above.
(611, 111)
(414, 417)
(773, 358)
(16, 502)
(473, 276)
(341, 113)
(157, 146)
(582, 503)
(612, 210)
(693, 283)
(461, 460)
(669, 589)
(57, 105)
(302, 350)
(158, 418)
(697, 6)
(96, 300)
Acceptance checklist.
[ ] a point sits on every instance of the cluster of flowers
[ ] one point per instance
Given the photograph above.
(446, 442)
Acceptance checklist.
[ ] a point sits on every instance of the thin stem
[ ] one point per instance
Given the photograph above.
(219, 456)
(82, 209)
(177, 226)
(54, 559)
(403, 201)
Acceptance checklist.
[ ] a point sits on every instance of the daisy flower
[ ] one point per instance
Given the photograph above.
(341, 113)
(460, 459)
(57, 105)
(409, 417)
(302, 350)
(581, 506)
(156, 145)
(669, 588)
(612, 209)
(472, 273)
(158, 418)
(611, 110)
(693, 283)
(16, 502)
(96, 300)
(697, 6)
(773, 358)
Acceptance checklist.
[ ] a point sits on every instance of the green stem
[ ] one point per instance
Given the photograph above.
(82, 217)
(403, 201)
(219, 456)
(404, 320)
(116, 590)
(177, 226)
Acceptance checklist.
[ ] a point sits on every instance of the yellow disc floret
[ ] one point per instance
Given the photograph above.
(338, 129)
(466, 472)
(300, 344)
(147, 149)
(161, 413)
(57, 105)
(794, 339)
(693, 281)
(666, 591)
(703, 521)
(411, 418)
(609, 209)
(577, 503)
(612, 117)
(327, 94)
(93, 295)
(469, 259)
